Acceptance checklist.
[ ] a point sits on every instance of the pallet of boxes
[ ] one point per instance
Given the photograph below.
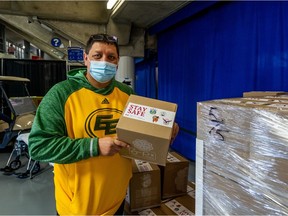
(159, 184)
(242, 155)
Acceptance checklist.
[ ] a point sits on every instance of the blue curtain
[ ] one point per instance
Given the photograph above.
(145, 78)
(221, 52)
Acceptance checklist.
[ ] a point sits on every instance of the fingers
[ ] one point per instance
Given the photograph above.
(109, 146)
(121, 144)
(174, 132)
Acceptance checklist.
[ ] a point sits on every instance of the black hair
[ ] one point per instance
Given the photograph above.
(101, 37)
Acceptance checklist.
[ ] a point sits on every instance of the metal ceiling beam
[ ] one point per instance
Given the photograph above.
(78, 11)
(33, 33)
(75, 21)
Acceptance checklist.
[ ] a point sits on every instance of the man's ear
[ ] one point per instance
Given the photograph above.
(85, 56)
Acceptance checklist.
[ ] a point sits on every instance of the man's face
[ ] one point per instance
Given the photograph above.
(101, 51)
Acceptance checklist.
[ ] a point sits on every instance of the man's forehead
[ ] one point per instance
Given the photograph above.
(102, 46)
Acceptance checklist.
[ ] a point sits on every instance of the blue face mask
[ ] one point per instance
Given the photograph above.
(102, 71)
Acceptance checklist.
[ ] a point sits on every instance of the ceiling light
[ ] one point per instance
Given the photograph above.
(111, 3)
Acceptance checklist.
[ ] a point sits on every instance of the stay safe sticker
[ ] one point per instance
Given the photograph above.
(150, 114)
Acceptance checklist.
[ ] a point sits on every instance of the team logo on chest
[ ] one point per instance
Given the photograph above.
(104, 119)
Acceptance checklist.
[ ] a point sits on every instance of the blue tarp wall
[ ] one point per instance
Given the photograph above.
(211, 50)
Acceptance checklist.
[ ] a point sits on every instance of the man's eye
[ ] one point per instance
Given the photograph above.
(112, 58)
(97, 56)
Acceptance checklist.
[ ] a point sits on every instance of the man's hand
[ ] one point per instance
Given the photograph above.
(174, 132)
(109, 146)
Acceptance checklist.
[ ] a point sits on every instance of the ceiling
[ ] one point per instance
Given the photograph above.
(38, 22)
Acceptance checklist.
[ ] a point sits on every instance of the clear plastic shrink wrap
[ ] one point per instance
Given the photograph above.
(245, 156)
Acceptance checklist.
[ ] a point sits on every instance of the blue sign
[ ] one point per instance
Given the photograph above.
(75, 54)
(56, 42)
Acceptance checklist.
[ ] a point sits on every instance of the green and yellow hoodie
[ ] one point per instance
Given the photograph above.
(69, 120)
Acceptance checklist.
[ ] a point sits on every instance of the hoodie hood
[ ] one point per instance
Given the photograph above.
(78, 75)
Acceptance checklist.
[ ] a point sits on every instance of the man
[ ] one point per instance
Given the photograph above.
(74, 128)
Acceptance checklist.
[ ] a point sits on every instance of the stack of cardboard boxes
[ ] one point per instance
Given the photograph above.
(159, 184)
(242, 146)
(163, 190)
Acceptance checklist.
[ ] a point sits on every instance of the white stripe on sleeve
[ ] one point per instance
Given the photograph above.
(91, 148)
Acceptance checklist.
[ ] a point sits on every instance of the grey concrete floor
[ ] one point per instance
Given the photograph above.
(33, 196)
(26, 196)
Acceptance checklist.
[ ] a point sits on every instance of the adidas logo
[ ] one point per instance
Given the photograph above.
(105, 101)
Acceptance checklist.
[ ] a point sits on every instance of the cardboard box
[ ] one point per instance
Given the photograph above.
(174, 176)
(240, 158)
(163, 209)
(183, 205)
(234, 197)
(144, 189)
(148, 211)
(151, 211)
(263, 93)
(147, 125)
